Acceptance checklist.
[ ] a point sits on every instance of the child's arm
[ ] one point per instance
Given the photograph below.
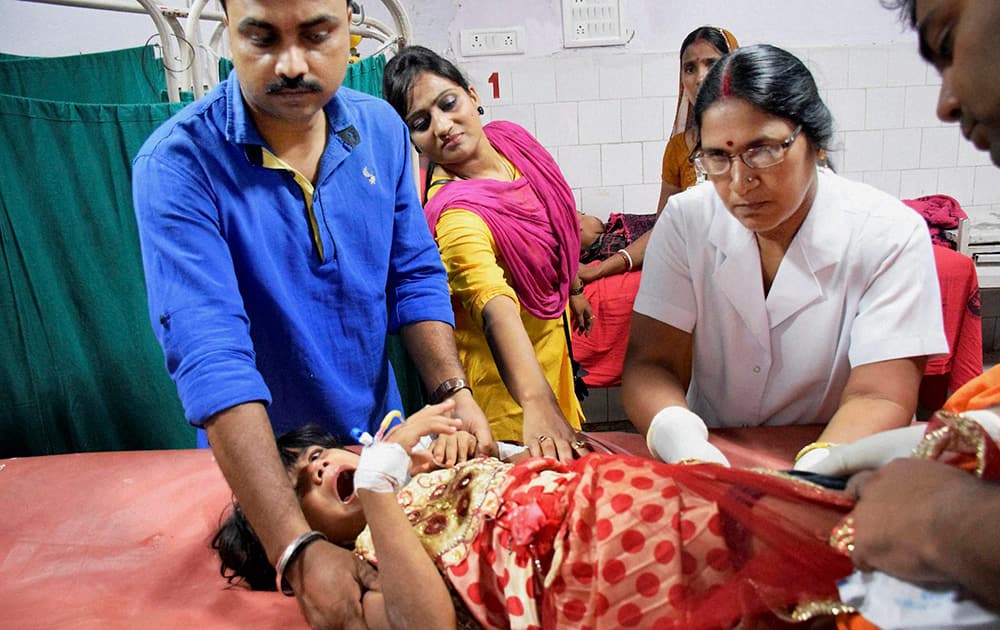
(373, 604)
(414, 593)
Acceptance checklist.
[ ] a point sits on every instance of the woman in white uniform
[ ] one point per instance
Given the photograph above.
(778, 293)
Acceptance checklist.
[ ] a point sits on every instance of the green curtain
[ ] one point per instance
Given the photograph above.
(133, 75)
(12, 57)
(366, 75)
(80, 369)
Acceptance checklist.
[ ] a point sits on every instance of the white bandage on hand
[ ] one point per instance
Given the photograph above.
(677, 434)
(384, 467)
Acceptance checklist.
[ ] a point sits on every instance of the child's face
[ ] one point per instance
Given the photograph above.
(324, 481)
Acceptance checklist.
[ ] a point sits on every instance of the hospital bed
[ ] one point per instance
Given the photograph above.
(116, 540)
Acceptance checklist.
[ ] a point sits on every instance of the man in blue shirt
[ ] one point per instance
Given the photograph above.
(282, 240)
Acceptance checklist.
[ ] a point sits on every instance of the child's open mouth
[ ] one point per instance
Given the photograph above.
(344, 485)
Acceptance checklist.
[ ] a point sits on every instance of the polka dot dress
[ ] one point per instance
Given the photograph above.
(607, 541)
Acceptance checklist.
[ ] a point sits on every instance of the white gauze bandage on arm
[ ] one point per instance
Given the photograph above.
(384, 467)
(677, 434)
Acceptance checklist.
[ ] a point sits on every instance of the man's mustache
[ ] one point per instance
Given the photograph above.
(297, 83)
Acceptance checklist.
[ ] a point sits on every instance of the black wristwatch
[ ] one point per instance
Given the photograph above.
(448, 389)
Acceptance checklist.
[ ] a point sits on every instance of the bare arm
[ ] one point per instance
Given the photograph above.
(413, 592)
(325, 578)
(878, 397)
(657, 369)
(431, 346)
(666, 190)
(636, 249)
(518, 366)
(947, 536)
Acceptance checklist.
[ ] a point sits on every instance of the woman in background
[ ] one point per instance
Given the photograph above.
(505, 222)
(782, 293)
(699, 51)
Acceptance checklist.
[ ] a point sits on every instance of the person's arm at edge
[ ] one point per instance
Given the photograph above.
(413, 592)
(946, 538)
(431, 346)
(429, 338)
(657, 369)
(878, 397)
(243, 445)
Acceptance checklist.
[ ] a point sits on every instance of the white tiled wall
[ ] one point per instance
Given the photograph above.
(606, 118)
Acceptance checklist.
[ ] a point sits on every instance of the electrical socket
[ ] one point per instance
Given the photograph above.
(492, 41)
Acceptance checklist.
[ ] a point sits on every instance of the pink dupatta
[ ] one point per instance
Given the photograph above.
(533, 220)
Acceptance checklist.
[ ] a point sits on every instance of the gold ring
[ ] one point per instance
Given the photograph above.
(542, 438)
(579, 444)
(842, 537)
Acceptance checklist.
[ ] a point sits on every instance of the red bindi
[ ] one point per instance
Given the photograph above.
(729, 143)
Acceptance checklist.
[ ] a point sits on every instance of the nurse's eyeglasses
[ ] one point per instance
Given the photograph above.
(761, 156)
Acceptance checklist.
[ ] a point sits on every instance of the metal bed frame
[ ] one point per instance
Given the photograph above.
(191, 65)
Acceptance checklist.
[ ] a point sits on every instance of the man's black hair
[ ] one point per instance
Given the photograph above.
(350, 5)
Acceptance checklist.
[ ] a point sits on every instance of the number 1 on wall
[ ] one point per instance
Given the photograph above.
(494, 80)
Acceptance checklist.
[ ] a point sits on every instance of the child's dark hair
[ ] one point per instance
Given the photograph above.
(242, 556)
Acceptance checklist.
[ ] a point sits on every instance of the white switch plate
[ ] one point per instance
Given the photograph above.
(592, 23)
(492, 41)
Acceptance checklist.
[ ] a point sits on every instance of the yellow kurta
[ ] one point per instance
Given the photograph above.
(475, 276)
(677, 170)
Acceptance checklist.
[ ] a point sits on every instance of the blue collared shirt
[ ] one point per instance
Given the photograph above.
(255, 297)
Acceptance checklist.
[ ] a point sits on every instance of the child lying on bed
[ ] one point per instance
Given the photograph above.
(603, 540)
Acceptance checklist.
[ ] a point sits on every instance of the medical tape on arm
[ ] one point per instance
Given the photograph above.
(384, 467)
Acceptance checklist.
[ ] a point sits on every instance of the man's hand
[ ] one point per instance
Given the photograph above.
(898, 516)
(328, 582)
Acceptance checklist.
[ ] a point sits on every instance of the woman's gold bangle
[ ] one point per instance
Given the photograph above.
(812, 447)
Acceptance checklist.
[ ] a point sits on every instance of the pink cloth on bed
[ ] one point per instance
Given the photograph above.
(941, 212)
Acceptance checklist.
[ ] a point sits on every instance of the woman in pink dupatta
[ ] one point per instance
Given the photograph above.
(505, 221)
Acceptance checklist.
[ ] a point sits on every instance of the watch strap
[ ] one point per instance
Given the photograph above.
(448, 388)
